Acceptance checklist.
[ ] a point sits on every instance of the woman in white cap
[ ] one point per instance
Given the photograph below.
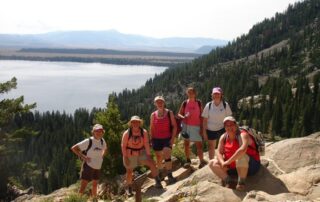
(91, 151)
(163, 129)
(237, 155)
(213, 114)
(136, 151)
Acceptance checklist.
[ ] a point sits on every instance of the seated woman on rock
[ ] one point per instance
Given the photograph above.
(237, 155)
(136, 151)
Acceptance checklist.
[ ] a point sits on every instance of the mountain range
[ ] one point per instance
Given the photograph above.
(110, 39)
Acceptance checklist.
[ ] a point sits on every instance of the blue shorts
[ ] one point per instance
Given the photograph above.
(193, 132)
(214, 135)
(254, 167)
(159, 144)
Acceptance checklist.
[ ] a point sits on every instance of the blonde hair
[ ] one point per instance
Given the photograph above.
(191, 89)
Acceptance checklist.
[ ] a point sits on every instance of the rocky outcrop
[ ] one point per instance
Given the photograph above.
(290, 172)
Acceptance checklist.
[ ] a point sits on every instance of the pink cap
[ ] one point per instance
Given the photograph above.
(217, 90)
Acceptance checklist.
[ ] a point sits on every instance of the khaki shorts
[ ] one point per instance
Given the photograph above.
(135, 161)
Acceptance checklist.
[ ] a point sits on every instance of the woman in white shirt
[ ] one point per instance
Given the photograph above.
(213, 115)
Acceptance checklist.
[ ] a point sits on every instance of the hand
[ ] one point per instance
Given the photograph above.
(86, 159)
(224, 164)
(172, 142)
(205, 137)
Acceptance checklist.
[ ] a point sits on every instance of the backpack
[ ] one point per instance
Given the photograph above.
(178, 122)
(84, 152)
(130, 136)
(256, 137)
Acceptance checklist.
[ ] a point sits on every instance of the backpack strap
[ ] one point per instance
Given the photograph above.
(89, 146)
(224, 104)
(130, 135)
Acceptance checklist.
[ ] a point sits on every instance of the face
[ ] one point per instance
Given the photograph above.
(191, 94)
(230, 127)
(216, 96)
(135, 124)
(159, 104)
(98, 133)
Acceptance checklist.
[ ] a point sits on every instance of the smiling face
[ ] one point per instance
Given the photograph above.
(159, 104)
(191, 93)
(231, 127)
(135, 124)
(98, 134)
(216, 97)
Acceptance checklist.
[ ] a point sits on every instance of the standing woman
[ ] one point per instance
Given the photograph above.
(91, 151)
(190, 113)
(136, 151)
(162, 132)
(213, 115)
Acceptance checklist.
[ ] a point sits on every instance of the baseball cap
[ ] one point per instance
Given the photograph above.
(159, 98)
(229, 118)
(217, 90)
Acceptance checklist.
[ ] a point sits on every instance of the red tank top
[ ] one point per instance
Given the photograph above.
(161, 126)
(230, 147)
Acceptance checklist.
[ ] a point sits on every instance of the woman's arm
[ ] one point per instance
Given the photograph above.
(151, 126)
(220, 152)
(181, 110)
(242, 150)
(124, 143)
(146, 142)
(174, 127)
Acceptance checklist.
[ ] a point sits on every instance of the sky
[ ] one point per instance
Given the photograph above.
(219, 19)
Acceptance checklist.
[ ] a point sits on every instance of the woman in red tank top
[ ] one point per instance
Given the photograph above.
(163, 129)
(236, 155)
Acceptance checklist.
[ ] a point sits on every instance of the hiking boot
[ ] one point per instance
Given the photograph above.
(162, 174)
(158, 184)
(187, 164)
(129, 191)
(241, 186)
(202, 164)
(171, 179)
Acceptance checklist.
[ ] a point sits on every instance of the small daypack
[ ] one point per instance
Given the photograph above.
(257, 137)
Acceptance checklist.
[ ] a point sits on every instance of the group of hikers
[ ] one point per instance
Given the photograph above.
(236, 153)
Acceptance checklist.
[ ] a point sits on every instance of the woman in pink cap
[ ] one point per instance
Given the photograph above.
(213, 114)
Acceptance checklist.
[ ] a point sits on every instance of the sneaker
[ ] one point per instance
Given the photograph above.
(129, 191)
(187, 164)
(202, 164)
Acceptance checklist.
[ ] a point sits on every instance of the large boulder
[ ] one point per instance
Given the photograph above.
(292, 154)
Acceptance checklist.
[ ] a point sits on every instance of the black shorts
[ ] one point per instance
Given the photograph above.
(89, 173)
(214, 135)
(159, 144)
(254, 167)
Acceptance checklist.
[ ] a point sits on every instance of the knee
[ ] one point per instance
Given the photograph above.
(213, 164)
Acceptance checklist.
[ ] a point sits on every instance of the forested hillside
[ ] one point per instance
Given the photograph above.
(270, 77)
(278, 62)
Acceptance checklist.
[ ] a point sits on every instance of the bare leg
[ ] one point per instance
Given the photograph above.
(199, 150)
(167, 155)
(129, 173)
(216, 168)
(212, 147)
(187, 148)
(159, 159)
(83, 186)
(94, 188)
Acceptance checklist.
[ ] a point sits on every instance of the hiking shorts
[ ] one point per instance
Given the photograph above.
(135, 161)
(193, 132)
(88, 173)
(214, 135)
(159, 144)
(246, 161)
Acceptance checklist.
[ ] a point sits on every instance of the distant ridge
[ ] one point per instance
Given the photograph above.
(109, 39)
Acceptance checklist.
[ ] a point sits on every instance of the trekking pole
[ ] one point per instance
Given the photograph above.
(137, 183)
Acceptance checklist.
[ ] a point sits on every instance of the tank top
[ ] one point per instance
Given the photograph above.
(161, 126)
(192, 107)
(135, 143)
(230, 147)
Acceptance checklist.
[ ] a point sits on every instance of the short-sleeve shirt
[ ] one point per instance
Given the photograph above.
(95, 152)
(216, 115)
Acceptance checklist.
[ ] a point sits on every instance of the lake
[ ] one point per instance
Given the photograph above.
(66, 86)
